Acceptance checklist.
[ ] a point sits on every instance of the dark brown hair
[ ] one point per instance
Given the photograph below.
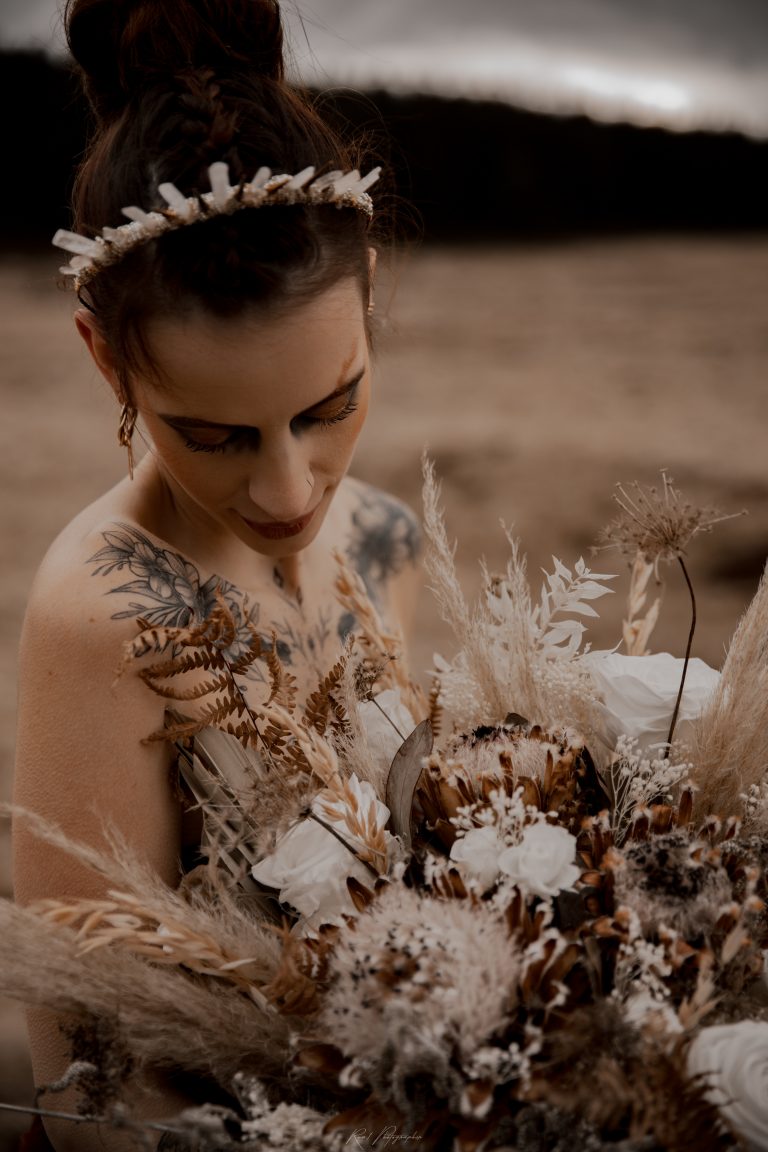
(176, 85)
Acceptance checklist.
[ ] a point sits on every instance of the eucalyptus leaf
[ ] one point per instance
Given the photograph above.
(404, 776)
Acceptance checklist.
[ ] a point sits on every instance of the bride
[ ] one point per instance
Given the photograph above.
(233, 326)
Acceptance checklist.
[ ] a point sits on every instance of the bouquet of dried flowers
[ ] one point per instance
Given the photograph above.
(527, 913)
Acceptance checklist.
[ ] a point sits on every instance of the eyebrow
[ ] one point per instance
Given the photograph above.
(195, 422)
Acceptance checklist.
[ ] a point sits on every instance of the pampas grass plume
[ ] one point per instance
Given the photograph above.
(729, 742)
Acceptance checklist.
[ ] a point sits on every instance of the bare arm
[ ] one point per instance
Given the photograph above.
(81, 765)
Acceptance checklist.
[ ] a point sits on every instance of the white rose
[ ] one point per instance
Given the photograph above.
(734, 1058)
(310, 865)
(477, 855)
(387, 723)
(542, 864)
(639, 694)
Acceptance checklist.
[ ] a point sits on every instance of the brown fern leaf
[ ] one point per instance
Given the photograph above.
(295, 760)
(180, 729)
(220, 627)
(172, 692)
(216, 631)
(189, 660)
(283, 684)
(341, 728)
(253, 653)
(321, 702)
(150, 639)
(219, 712)
(280, 746)
(274, 736)
(245, 733)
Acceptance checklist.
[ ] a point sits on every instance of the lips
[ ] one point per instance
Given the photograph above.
(276, 530)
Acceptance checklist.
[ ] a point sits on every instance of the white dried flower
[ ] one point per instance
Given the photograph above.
(542, 864)
(387, 723)
(645, 1010)
(287, 1127)
(639, 694)
(734, 1060)
(417, 982)
(311, 864)
(477, 855)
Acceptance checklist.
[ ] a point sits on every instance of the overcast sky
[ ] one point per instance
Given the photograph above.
(681, 63)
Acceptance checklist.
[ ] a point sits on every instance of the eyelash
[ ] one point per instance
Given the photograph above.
(238, 440)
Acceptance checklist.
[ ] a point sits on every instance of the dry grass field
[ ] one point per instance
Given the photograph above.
(537, 376)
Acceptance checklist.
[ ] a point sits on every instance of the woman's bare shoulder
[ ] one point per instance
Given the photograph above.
(384, 533)
(106, 568)
(383, 544)
(82, 760)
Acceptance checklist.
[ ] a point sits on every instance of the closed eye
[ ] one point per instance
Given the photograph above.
(217, 438)
(241, 438)
(328, 413)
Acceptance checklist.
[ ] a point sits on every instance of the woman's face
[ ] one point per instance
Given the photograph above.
(254, 419)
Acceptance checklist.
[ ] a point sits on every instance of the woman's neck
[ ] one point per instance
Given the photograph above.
(165, 510)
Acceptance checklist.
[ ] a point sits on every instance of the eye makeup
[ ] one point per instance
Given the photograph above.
(201, 436)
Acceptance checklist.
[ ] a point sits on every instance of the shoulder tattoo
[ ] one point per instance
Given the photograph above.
(166, 589)
(385, 537)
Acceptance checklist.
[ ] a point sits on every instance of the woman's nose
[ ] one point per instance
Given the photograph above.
(281, 483)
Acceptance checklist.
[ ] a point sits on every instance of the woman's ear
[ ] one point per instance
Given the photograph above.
(101, 353)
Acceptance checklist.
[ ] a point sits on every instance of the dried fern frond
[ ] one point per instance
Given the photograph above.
(282, 683)
(205, 648)
(228, 712)
(728, 743)
(307, 750)
(327, 701)
(216, 632)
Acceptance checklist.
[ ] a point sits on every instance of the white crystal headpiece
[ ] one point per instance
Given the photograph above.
(90, 255)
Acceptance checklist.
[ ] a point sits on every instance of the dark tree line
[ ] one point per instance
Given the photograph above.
(463, 170)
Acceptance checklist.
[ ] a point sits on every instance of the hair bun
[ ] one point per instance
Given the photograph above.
(125, 46)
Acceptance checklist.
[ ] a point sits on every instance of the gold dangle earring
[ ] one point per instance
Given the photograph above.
(125, 432)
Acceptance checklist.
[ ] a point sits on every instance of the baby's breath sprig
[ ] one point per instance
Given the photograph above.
(659, 526)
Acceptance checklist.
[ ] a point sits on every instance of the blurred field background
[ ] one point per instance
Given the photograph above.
(588, 304)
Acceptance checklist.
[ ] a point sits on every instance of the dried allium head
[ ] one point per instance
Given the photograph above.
(674, 881)
(658, 525)
(418, 985)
